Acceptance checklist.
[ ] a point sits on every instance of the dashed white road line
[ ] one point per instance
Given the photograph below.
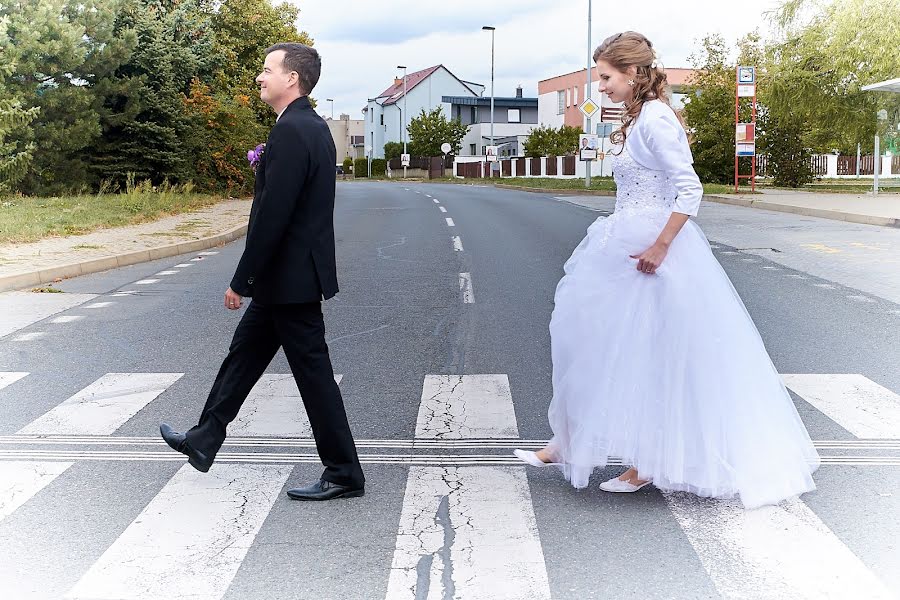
(457, 243)
(465, 288)
(28, 337)
(67, 319)
(442, 209)
(181, 266)
(167, 272)
(436, 201)
(450, 222)
(146, 281)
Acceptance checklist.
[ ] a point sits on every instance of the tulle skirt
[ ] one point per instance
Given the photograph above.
(668, 372)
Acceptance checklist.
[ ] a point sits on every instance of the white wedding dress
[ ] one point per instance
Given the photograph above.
(667, 371)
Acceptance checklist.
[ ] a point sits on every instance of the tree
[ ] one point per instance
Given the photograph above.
(243, 31)
(146, 126)
(52, 50)
(825, 53)
(709, 111)
(14, 159)
(393, 150)
(548, 141)
(429, 130)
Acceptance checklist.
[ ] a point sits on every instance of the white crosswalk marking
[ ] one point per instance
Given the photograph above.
(468, 533)
(20, 480)
(21, 309)
(103, 406)
(190, 540)
(466, 406)
(273, 408)
(855, 402)
(772, 553)
(10, 377)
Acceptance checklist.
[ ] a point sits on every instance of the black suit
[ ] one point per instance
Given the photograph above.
(288, 267)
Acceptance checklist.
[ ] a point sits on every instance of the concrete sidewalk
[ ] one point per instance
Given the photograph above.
(33, 264)
(883, 209)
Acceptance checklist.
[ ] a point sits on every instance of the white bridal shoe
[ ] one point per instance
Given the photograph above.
(531, 458)
(616, 485)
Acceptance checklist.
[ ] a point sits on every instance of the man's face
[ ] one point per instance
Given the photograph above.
(275, 81)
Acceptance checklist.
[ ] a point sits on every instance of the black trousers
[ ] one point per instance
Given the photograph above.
(300, 330)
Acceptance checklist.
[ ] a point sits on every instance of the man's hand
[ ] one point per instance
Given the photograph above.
(232, 300)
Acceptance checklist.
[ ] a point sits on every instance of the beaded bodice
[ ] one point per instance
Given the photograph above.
(639, 188)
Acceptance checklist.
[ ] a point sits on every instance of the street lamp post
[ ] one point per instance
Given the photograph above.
(332, 106)
(491, 29)
(403, 133)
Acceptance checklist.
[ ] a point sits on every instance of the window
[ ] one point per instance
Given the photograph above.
(473, 149)
(372, 115)
(382, 118)
(513, 116)
(560, 102)
(474, 114)
(568, 97)
(575, 95)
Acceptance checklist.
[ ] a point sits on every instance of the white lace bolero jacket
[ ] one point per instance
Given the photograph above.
(657, 141)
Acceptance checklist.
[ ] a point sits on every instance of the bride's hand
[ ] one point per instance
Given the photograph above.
(650, 259)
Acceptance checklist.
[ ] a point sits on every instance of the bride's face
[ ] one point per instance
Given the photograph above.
(614, 83)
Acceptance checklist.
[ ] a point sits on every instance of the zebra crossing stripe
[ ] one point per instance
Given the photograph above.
(190, 539)
(103, 406)
(772, 552)
(855, 402)
(20, 480)
(273, 408)
(10, 377)
(466, 406)
(468, 533)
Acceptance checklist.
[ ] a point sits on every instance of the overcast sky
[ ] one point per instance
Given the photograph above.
(361, 42)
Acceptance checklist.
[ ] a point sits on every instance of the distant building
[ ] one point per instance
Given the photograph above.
(514, 117)
(559, 98)
(349, 137)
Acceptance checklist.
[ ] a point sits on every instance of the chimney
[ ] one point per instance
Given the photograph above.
(345, 117)
(398, 81)
(519, 91)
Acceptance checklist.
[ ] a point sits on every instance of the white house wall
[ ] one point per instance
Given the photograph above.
(547, 111)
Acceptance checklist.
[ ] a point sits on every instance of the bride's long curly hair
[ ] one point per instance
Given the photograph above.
(632, 49)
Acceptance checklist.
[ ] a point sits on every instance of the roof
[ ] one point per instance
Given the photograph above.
(395, 92)
(498, 101)
(891, 85)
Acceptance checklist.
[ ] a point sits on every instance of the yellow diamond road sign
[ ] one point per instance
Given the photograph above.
(589, 108)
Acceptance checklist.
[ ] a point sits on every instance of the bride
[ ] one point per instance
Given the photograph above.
(655, 358)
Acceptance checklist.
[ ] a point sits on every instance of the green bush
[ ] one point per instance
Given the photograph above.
(361, 167)
(393, 150)
(378, 167)
(348, 165)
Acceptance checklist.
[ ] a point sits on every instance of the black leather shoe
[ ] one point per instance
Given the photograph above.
(178, 442)
(325, 490)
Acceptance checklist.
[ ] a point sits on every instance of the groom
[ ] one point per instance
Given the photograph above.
(288, 268)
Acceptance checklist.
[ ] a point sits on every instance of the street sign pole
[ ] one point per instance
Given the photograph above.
(745, 133)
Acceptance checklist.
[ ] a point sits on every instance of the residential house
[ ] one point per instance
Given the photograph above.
(514, 117)
(425, 90)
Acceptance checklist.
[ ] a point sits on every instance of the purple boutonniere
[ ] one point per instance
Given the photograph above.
(255, 155)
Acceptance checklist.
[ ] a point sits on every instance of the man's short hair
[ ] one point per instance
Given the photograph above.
(302, 59)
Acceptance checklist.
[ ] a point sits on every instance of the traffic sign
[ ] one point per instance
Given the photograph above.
(589, 108)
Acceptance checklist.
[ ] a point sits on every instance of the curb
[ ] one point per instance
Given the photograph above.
(822, 213)
(17, 281)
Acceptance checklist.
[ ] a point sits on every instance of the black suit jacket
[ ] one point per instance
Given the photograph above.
(289, 255)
